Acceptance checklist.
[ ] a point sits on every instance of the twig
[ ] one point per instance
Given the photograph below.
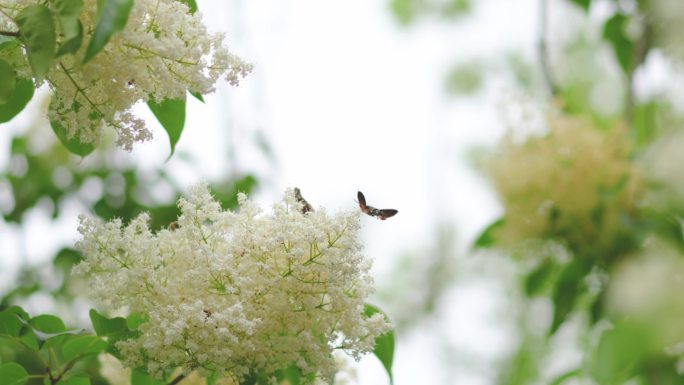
(176, 380)
(543, 49)
(9, 33)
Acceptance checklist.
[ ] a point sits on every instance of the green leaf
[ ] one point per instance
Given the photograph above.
(615, 32)
(8, 81)
(12, 374)
(291, 374)
(83, 345)
(28, 337)
(6, 40)
(68, 12)
(566, 376)
(197, 96)
(115, 329)
(47, 324)
(619, 353)
(105, 327)
(171, 115)
(72, 144)
(567, 291)
(113, 15)
(537, 278)
(75, 381)
(135, 320)
(10, 324)
(23, 92)
(37, 31)
(18, 311)
(644, 121)
(487, 238)
(384, 344)
(192, 4)
(66, 259)
(140, 378)
(72, 45)
(584, 4)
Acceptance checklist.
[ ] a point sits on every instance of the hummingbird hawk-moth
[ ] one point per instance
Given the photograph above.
(381, 214)
(306, 207)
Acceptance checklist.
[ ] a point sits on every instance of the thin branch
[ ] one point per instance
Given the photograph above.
(9, 33)
(543, 49)
(176, 380)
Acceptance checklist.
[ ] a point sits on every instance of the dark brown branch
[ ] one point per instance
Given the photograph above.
(9, 33)
(176, 380)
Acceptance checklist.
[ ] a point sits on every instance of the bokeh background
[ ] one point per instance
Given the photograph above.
(401, 99)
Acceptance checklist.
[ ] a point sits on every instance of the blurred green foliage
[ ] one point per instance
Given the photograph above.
(465, 79)
(592, 71)
(408, 11)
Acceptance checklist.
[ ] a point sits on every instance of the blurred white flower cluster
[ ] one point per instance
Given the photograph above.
(576, 182)
(236, 292)
(163, 52)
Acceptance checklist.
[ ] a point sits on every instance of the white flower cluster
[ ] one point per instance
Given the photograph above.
(236, 292)
(163, 52)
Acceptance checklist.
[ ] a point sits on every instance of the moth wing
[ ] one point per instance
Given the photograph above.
(361, 198)
(386, 213)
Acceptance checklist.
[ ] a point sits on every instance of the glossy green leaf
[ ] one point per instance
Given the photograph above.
(113, 15)
(171, 115)
(487, 237)
(12, 374)
(23, 92)
(584, 4)
(384, 344)
(37, 31)
(140, 378)
(47, 324)
(83, 345)
(68, 12)
(8, 81)
(72, 144)
(74, 381)
(192, 4)
(615, 32)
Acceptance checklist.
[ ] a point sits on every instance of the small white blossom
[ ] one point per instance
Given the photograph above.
(163, 52)
(238, 292)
